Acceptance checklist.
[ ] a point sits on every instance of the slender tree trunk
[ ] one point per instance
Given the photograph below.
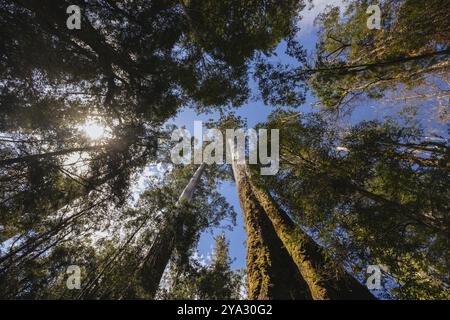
(162, 247)
(325, 280)
(188, 192)
(35, 241)
(355, 68)
(32, 244)
(271, 273)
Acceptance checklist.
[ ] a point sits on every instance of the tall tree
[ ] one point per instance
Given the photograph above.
(271, 272)
(181, 222)
(160, 252)
(325, 278)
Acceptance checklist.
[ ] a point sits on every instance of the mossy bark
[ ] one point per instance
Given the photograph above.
(271, 273)
(325, 279)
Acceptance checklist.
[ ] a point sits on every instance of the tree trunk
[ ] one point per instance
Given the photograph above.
(271, 273)
(158, 256)
(325, 280)
(188, 192)
(156, 260)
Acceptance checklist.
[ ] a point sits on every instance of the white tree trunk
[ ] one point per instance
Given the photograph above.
(188, 192)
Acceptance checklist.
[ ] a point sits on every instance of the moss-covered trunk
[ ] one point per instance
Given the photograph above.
(271, 273)
(325, 279)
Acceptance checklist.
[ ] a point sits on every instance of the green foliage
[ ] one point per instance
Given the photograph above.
(355, 60)
(375, 194)
(352, 61)
(132, 66)
(215, 281)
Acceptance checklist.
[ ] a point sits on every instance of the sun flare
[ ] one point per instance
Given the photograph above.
(94, 130)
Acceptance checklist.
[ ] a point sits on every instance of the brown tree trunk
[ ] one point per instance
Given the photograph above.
(325, 280)
(157, 258)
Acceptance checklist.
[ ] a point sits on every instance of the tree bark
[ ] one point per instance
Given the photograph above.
(271, 273)
(158, 256)
(325, 280)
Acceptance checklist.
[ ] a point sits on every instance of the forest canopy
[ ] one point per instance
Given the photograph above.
(92, 205)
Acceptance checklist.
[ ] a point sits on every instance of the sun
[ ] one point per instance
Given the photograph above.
(94, 130)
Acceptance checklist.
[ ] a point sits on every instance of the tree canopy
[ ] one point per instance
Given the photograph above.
(87, 182)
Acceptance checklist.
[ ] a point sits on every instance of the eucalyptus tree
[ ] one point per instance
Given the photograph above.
(270, 271)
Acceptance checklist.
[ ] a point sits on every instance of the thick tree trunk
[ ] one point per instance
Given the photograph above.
(157, 259)
(158, 256)
(271, 273)
(325, 280)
